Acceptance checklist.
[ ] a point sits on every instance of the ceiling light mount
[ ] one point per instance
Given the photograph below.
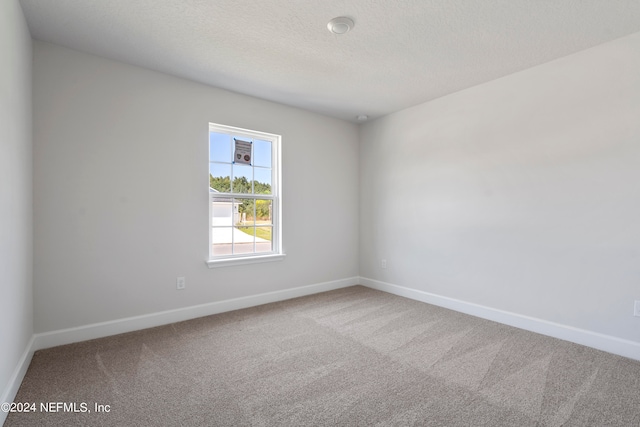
(340, 25)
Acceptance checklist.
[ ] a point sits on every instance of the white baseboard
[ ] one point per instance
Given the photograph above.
(608, 343)
(626, 348)
(114, 327)
(16, 379)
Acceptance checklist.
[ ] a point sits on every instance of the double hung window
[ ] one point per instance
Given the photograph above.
(244, 196)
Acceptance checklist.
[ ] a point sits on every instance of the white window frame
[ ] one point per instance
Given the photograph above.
(277, 253)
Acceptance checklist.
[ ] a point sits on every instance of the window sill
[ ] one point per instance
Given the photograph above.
(228, 262)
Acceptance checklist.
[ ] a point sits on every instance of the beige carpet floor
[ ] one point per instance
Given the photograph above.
(350, 357)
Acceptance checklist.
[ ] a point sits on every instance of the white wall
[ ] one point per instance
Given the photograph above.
(522, 194)
(121, 192)
(16, 248)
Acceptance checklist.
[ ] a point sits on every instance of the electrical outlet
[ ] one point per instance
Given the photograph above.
(181, 283)
(636, 309)
(383, 263)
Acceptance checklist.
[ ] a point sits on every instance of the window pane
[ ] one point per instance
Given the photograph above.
(262, 153)
(220, 177)
(264, 241)
(242, 179)
(219, 147)
(246, 212)
(243, 241)
(262, 184)
(264, 212)
(221, 240)
(223, 213)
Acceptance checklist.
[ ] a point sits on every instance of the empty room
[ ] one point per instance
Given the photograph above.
(295, 213)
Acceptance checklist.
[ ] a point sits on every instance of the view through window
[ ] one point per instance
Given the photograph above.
(243, 192)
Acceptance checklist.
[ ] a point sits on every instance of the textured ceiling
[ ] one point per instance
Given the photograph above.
(400, 53)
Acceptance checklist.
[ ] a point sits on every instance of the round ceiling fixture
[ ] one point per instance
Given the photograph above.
(340, 25)
(363, 118)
